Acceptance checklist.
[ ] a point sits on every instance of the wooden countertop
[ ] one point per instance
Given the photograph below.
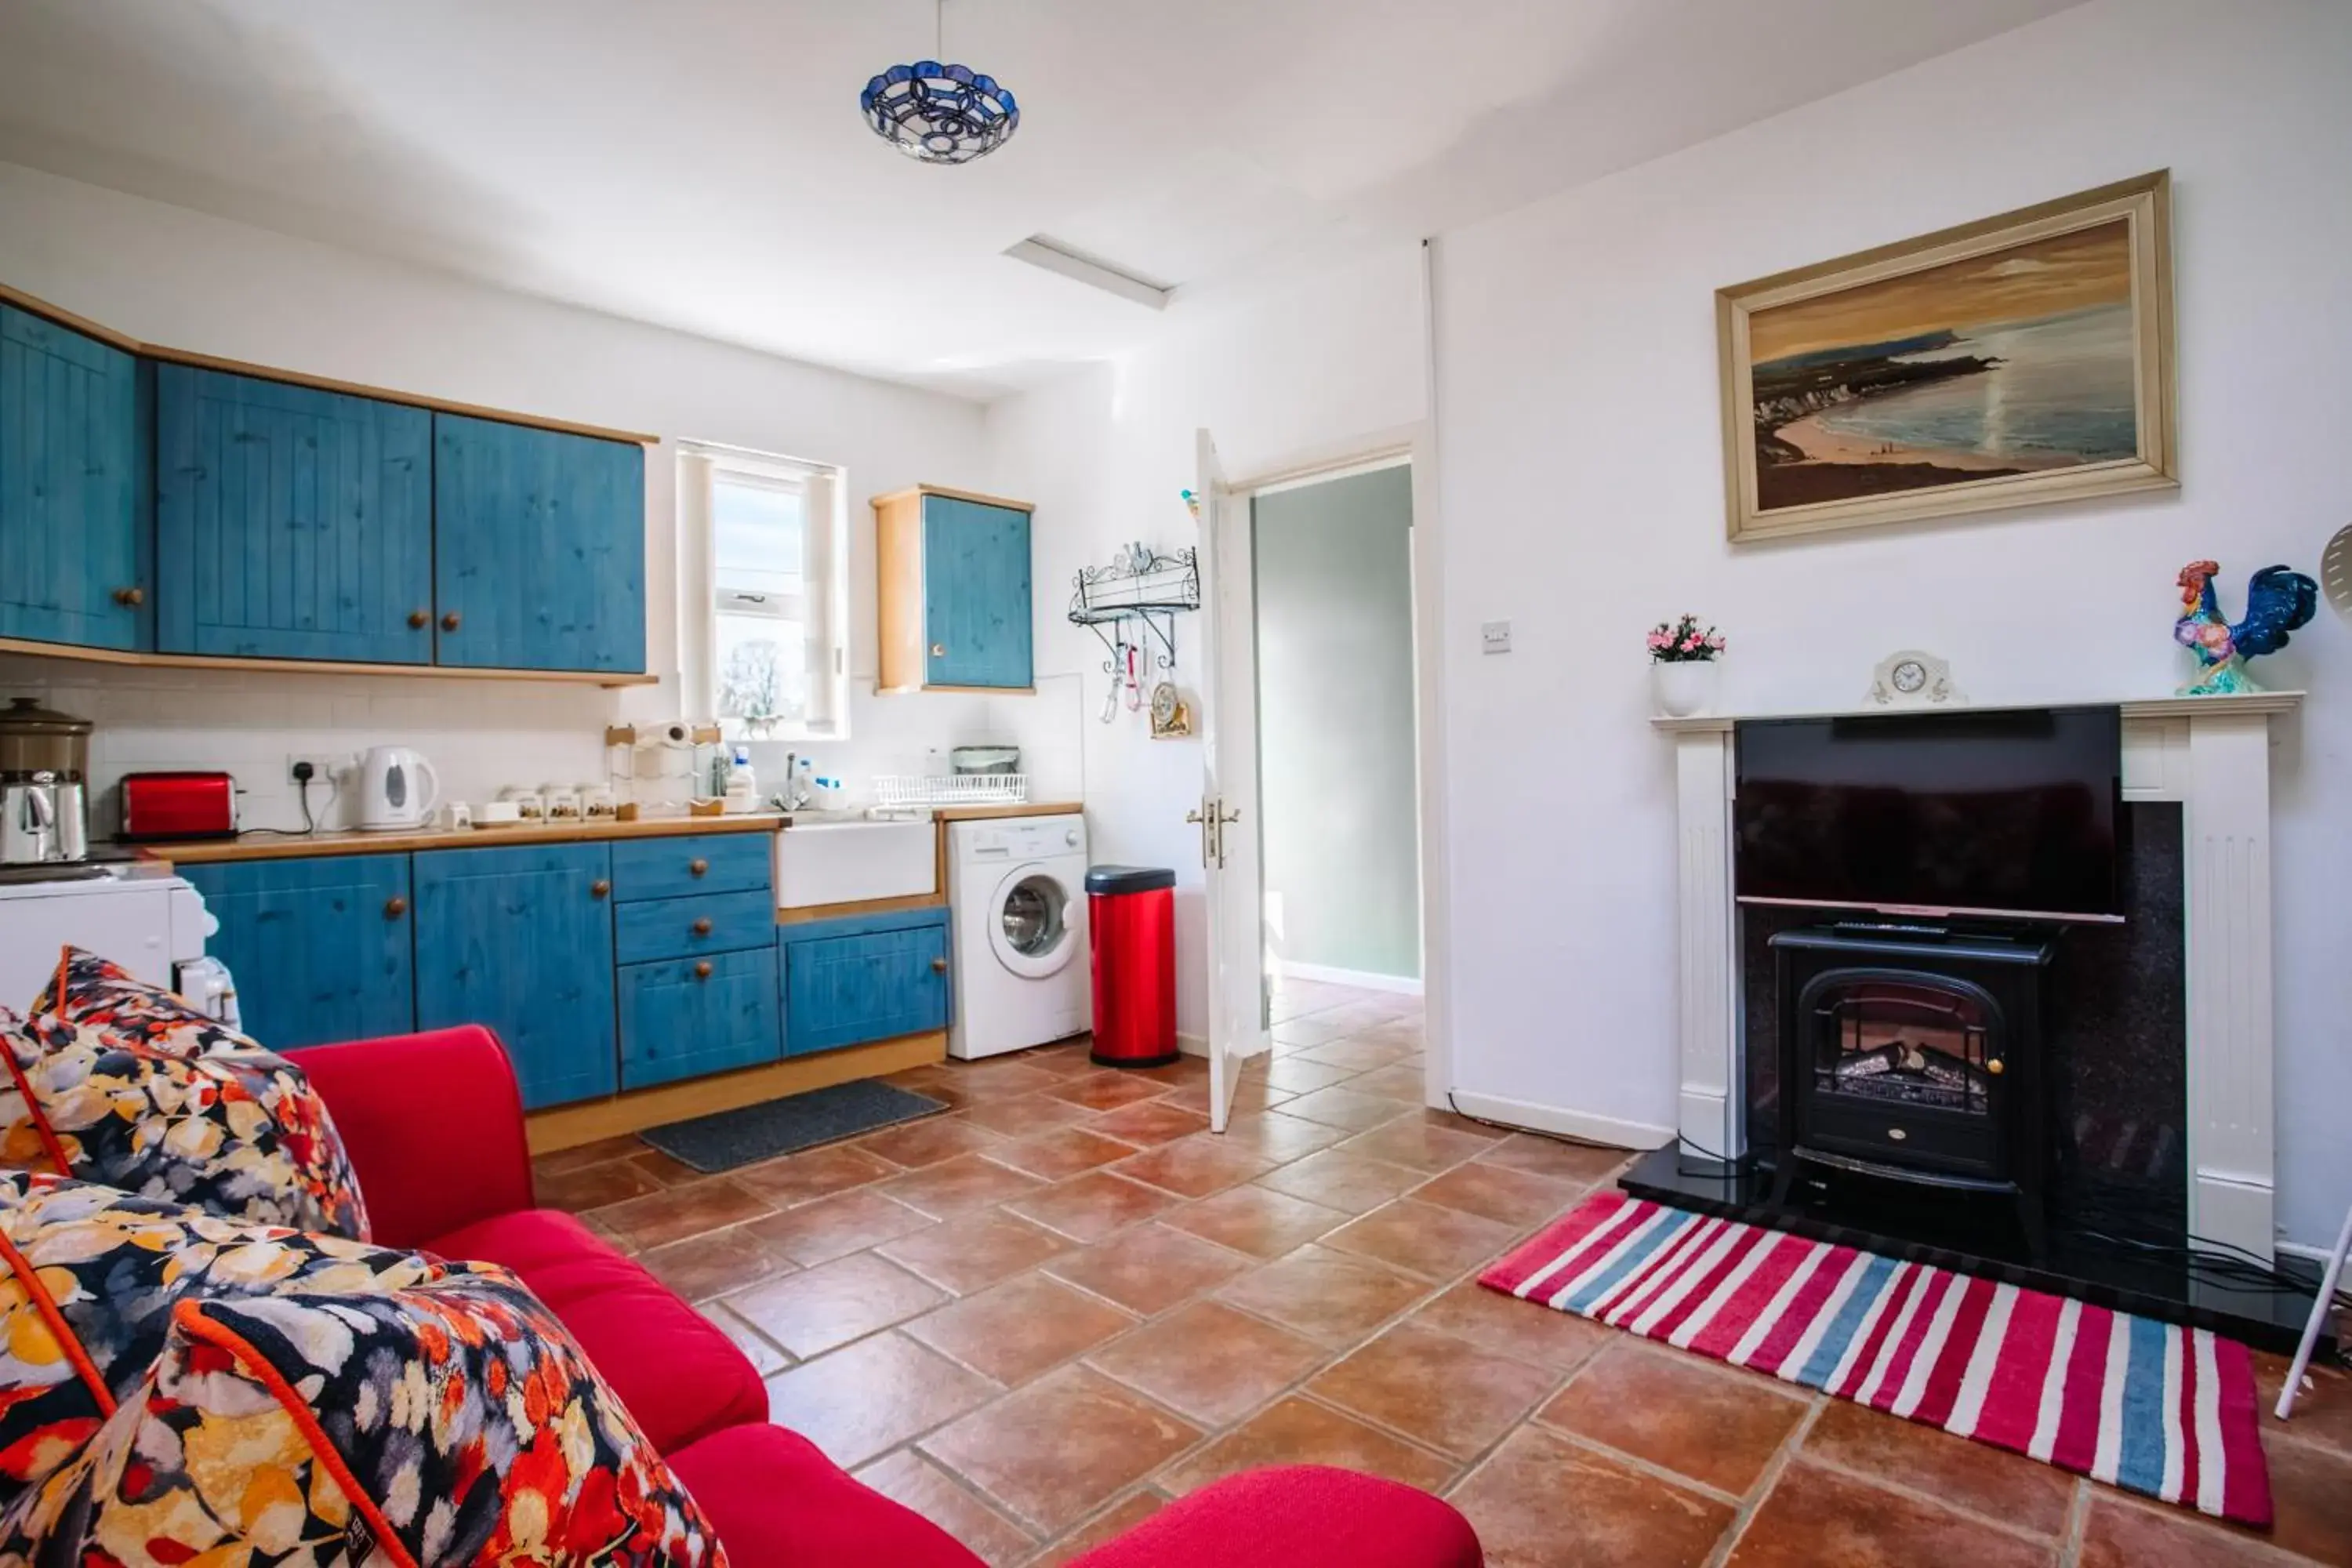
(984, 812)
(296, 846)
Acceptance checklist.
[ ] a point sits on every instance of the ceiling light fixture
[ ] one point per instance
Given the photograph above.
(940, 113)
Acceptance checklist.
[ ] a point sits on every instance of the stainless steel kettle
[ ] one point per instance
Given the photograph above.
(44, 800)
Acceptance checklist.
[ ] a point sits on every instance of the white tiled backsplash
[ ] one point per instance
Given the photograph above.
(481, 735)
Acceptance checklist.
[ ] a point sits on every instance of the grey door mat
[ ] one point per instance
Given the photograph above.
(728, 1139)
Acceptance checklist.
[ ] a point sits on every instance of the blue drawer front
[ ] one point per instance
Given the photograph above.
(655, 929)
(875, 984)
(666, 868)
(692, 1016)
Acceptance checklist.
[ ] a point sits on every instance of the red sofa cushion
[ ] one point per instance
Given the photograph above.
(678, 1374)
(1280, 1519)
(778, 1502)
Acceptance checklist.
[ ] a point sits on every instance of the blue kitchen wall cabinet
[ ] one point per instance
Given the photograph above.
(319, 945)
(956, 610)
(292, 523)
(73, 449)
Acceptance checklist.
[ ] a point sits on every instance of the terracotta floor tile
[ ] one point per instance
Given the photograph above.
(1069, 1061)
(1814, 1516)
(1337, 1180)
(960, 1185)
(908, 1478)
(766, 1355)
(1401, 1082)
(1019, 1328)
(1295, 1431)
(1250, 1094)
(996, 1080)
(1300, 1077)
(2119, 1533)
(712, 1264)
(975, 1252)
(1184, 1069)
(1975, 1476)
(2322, 1411)
(1540, 1502)
(1355, 1054)
(1422, 1238)
(1517, 1198)
(1106, 1090)
(1059, 1448)
(2311, 1489)
(1343, 1107)
(1304, 1033)
(1257, 1221)
(1410, 1140)
(1066, 1152)
(811, 1312)
(1094, 1205)
(836, 1226)
(596, 1226)
(872, 1397)
(1329, 1295)
(596, 1154)
(1208, 1361)
(667, 1169)
(1149, 1268)
(1443, 1392)
(1104, 1528)
(1152, 1121)
(1508, 1326)
(1195, 1167)
(1271, 1133)
(1678, 1413)
(673, 1214)
(1023, 1114)
(928, 1143)
(592, 1187)
(799, 1179)
(1586, 1163)
(1447, 1122)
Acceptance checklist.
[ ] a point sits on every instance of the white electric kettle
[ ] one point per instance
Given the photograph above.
(398, 788)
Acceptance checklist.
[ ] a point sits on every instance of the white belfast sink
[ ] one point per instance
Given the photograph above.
(819, 863)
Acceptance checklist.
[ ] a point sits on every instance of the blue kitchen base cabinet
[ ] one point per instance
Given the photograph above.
(520, 939)
(862, 978)
(319, 947)
(691, 1016)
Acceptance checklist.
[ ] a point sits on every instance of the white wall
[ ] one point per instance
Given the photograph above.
(169, 276)
(1581, 499)
(1105, 454)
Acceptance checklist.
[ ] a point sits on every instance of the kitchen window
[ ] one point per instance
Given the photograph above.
(765, 593)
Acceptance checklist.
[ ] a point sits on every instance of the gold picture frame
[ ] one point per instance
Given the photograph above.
(1969, 370)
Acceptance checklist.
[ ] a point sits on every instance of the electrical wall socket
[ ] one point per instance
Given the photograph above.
(324, 765)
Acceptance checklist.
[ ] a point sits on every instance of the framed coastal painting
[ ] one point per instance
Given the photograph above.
(2023, 359)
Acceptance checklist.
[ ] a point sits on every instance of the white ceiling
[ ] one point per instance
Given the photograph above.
(701, 164)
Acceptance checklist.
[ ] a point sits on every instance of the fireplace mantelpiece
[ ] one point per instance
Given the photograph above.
(2212, 754)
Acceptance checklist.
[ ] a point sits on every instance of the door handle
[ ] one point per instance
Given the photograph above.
(938, 966)
(938, 650)
(1212, 817)
(1208, 826)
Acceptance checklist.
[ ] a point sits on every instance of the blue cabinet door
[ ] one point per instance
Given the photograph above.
(689, 1017)
(540, 540)
(850, 982)
(318, 947)
(976, 611)
(520, 940)
(72, 443)
(292, 523)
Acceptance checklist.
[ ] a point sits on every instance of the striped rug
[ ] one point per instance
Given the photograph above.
(2145, 1406)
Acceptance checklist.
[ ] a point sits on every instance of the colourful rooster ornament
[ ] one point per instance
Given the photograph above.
(2278, 601)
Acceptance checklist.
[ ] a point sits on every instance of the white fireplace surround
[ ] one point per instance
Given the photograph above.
(2210, 753)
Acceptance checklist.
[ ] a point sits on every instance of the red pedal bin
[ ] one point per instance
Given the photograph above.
(1132, 911)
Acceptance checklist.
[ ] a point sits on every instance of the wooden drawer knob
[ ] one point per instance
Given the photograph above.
(698, 867)
(702, 970)
(938, 650)
(599, 888)
(702, 926)
(395, 908)
(130, 598)
(449, 622)
(420, 619)
(938, 966)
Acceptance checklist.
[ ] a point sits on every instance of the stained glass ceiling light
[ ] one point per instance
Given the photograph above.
(940, 113)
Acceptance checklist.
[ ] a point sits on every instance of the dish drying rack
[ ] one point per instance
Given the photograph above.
(915, 792)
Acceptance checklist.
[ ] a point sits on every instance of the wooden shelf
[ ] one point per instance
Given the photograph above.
(117, 656)
(2133, 707)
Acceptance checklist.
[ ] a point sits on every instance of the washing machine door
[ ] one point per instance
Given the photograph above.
(1034, 921)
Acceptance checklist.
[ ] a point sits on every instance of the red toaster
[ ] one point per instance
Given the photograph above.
(178, 806)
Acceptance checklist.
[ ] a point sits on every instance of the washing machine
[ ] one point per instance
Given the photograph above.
(1017, 901)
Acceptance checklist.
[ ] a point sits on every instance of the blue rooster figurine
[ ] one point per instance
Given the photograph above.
(2278, 601)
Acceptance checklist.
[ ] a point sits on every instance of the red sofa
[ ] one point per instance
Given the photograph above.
(433, 1125)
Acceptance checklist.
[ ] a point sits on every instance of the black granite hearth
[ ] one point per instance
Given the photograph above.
(1901, 1221)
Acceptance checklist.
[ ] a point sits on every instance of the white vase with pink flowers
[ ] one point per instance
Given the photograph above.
(1685, 661)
